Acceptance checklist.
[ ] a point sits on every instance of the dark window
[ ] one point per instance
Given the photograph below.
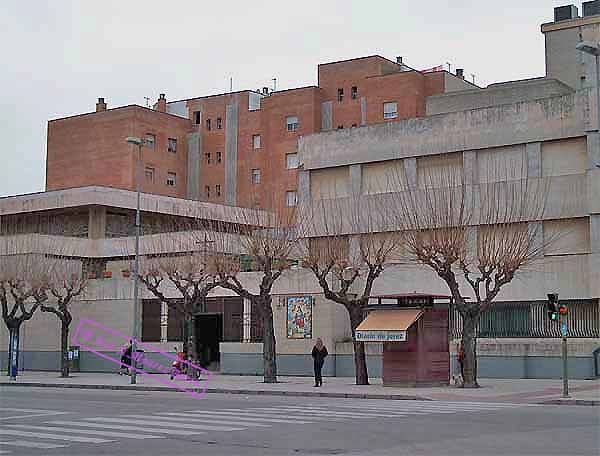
(197, 117)
(340, 127)
(340, 95)
(219, 123)
(150, 320)
(208, 124)
(218, 157)
(218, 189)
(354, 92)
(175, 323)
(172, 145)
(207, 158)
(207, 191)
(353, 125)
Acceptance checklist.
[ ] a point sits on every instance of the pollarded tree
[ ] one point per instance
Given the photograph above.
(476, 238)
(351, 243)
(66, 282)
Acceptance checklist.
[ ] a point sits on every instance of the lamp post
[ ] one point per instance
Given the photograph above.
(593, 49)
(136, 304)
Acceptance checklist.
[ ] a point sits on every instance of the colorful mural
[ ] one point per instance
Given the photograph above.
(299, 317)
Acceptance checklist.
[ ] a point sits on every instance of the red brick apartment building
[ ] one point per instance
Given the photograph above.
(236, 148)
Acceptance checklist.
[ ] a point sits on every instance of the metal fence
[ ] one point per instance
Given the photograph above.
(530, 319)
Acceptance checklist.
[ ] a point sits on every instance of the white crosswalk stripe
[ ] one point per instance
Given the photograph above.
(147, 420)
(23, 443)
(279, 413)
(323, 412)
(254, 416)
(191, 417)
(41, 435)
(153, 430)
(88, 431)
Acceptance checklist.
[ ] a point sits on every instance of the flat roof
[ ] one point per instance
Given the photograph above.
(129, 106)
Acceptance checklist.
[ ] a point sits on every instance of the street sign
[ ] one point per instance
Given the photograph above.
(563, 330)
(380, 336)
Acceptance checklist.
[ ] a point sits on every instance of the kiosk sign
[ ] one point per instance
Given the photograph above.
(380, 336)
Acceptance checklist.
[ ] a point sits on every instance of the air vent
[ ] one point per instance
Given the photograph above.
(565, 13)
(591, 8)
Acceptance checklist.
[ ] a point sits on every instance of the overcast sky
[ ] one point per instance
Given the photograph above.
(60, 56)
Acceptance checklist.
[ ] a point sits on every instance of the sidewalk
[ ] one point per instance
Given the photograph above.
(582, 392)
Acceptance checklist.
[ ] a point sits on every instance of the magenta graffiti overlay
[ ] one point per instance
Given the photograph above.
(96, 338)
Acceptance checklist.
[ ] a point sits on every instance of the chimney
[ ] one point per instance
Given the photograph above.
(265, 91)
(101, 105)
(399, 60)
(460, 73)
(161, 105)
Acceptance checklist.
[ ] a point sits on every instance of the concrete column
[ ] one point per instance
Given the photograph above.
(536, 235)
(97, 222)
(303, 186)
(164, 321)
(194, 163)
(327, 115)
(534, 159)
(247, 319)
(355, 179)
(593, 150)
(471, 243)
(595, 233)
(363, 111)
(470, 167)
(410, 168)
(231, 151)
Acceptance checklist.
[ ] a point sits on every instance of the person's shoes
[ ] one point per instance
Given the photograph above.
(315, 385)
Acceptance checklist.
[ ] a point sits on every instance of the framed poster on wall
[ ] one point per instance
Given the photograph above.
(299, 317)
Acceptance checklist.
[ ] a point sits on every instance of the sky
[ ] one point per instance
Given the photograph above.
(59, 56)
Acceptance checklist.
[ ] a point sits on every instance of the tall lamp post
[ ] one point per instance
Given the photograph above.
(136, 268)
(593, 49)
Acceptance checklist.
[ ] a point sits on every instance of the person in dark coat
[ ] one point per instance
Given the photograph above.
(126, 359)
(319, 353)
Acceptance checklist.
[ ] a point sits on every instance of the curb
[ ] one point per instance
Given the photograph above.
(224, 391)
(590, 402)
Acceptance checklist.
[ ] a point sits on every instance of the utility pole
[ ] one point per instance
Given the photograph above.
(562, 311)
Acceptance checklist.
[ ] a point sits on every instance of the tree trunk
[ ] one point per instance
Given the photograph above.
(360, 358)
(64, 347)
(13, 350)
(192, 345)
(269, 354)
(469, 343)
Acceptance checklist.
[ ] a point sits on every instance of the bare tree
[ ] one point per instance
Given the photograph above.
(66, 283)
(354, 245)
(269, 239)
(475, 237)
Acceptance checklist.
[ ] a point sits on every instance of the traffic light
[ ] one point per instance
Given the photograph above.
(552, 309)
(562, 309)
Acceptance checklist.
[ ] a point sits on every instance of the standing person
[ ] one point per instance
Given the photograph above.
(319, 353)
(126, 358)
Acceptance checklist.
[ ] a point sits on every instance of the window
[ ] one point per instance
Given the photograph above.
(354, 92)
(150, 140)
(207, 191)
(292, 123)
(340, 95)
(390, 110)
(172, 145)
(208, 124)
(256, 176)
(291, 161)
(219, 123)
(353, 125)
(218, 189)
(218, 157)
(149, 173)
(340, 127)
(171, 179)
(207, 155)
(256, 141)
(291, 199)
(197, 117)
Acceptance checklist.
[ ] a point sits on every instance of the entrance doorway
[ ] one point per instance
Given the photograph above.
(209, 332)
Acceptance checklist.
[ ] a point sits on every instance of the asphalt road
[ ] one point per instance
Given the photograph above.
(48, 421)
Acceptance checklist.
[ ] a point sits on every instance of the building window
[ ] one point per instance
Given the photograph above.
(256, 141)
(340, 95)
(207, 155)
(219, 123)
(291, 161)
(354, 92)
(171, 179)
(292, 123)
(340, 127)
(390, 110)
(291, 199)
(353, 125)
(207, 191)
(218, 189)
(172, 145)
(208, 124)
(149, 173)
(150, 140)
(219, 157)
(197, 117)
(256, 176)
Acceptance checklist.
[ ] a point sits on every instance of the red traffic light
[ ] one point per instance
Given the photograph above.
(562, 309)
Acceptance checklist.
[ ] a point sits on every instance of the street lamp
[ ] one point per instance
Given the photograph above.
(593, 49)
(136, 305)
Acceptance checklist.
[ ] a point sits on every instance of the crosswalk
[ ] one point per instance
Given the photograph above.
(53, 433)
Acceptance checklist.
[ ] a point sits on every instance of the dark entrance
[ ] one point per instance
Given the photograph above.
(209, 332)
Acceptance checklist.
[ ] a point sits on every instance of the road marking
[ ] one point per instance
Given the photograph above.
(255, 417)
(311, 411)
(41, 435)
(195, 418)
(23, 443)
(260, 411)
(30, 413)
(147, 420)
(88, 431)
(154, 430)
